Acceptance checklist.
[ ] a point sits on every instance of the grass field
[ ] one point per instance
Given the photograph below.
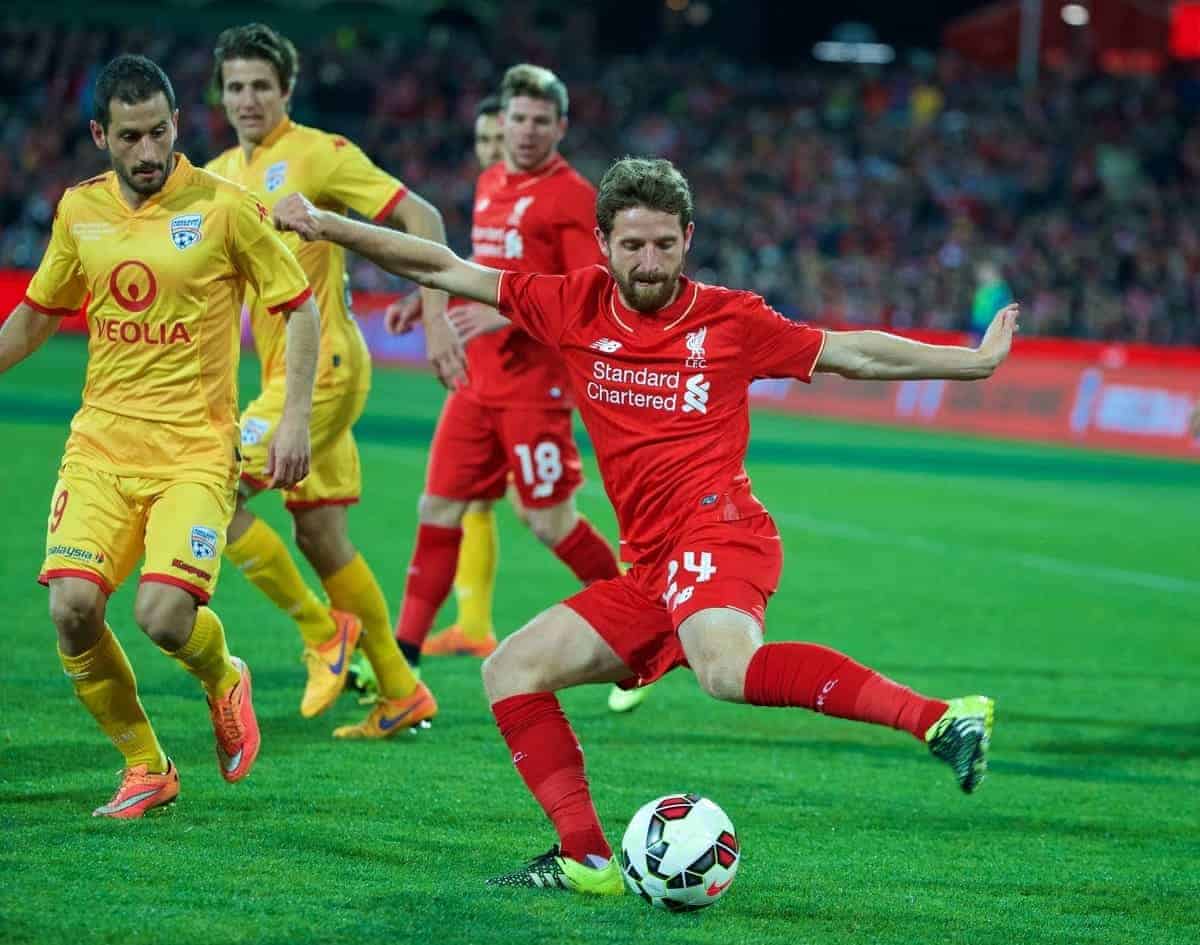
(1064, 584)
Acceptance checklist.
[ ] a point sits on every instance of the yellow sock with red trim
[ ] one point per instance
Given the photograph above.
(355, 590)
(261, 555)
(206, 656)
(105, 684)
(475, 579)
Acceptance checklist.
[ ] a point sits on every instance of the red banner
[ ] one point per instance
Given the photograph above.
(1087, 393)
(1139, 409)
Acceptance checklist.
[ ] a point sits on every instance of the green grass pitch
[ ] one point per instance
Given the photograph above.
(1062, 583)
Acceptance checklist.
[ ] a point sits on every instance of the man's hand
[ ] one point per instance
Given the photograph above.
(475, 319)
(288, 455)
(997, 340)
(402, 315)
(295, 213)
(445, 352)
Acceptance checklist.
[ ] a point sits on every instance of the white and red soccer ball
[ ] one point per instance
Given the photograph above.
(680, 852)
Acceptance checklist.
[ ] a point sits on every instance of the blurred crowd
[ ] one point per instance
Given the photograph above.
(897, 197)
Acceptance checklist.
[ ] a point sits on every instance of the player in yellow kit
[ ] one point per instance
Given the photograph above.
(255, 71)
(163, 250)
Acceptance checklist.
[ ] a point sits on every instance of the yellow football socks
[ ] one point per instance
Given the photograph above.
(355, 590)
(205, 655)
(476, 575)
(104, 683)
(261, 555)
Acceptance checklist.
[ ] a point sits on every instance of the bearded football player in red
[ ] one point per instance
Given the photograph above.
(660, 367)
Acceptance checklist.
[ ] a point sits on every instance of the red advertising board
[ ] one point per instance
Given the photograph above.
(1093, 394)
(1118, 403)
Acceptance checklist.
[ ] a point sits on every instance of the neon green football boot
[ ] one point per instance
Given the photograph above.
(962, 737)
(551, 870)
(626, 700)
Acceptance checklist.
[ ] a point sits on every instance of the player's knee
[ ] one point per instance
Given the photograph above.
(542, 531)
(495, 677)
(506, 673)
(550, 526)
(436, 510)
(166, 618)
(308, 539)
(721, 680)
(78, 615)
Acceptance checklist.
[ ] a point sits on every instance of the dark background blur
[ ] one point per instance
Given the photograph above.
(913, 190)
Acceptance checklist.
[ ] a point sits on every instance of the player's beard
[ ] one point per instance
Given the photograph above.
(145, 186)
(648, 295)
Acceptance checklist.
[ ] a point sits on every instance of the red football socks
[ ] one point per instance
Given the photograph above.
(587, 554)
(815, 677)
(430, 577)
(547, 755)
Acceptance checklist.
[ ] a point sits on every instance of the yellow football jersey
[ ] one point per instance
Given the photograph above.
(166, 283)
(335, 175)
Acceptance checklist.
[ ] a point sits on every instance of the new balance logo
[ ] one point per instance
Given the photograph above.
(607, 345)
(695, 397)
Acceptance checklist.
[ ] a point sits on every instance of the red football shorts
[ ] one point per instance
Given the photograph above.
(475, 447)
(714, 564)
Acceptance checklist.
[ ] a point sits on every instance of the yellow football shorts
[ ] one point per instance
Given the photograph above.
(101, 523)
(335, 476)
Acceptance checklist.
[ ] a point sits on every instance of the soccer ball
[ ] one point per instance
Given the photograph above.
(680, 852)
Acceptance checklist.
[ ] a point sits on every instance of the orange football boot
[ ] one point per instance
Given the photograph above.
(453, 642)
(142, 792)
(236, 727)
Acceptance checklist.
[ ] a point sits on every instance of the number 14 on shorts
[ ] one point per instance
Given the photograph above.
(698, 563)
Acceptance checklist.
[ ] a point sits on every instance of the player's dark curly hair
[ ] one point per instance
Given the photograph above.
(257, 41)
(130, 80)
(653, 183)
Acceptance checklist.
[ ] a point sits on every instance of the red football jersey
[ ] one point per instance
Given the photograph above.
(542, 221)
(664, 396)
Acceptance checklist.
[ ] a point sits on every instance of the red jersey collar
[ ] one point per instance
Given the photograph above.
(525, 178)
(665, 318)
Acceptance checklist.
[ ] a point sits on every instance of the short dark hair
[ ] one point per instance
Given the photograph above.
(257, 41)
(488, 106)
(535, 82)
(653, 183)
(132, 80)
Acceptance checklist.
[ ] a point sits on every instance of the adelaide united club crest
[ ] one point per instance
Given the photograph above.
(185, 230)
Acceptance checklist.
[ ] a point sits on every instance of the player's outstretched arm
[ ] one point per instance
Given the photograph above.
(289, 453)
(427, 263)
(879, 356)
(417, 216)
(23, 333)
